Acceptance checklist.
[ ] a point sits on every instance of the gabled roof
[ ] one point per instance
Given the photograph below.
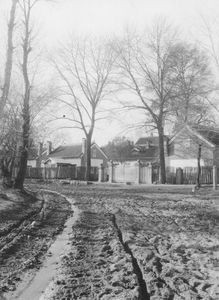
(100, 149)
(67, 151)
(72, 151)
(206, 134)
(212, 135)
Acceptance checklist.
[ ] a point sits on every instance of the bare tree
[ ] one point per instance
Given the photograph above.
(146, 71)
(194, 85)
(9, 140)
(26, 8)
(9, 58)
(210, 29)
(85, 70)
(210, 43)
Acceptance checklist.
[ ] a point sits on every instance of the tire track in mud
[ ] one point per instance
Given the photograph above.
(14, 233)
(39, 285)
(143, 293)
(97, 267)
(22, 248)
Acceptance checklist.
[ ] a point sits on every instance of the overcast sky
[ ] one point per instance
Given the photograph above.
(106, 17)
(111, 16)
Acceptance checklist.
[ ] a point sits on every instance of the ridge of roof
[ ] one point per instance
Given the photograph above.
(100, 149)
(198, 133)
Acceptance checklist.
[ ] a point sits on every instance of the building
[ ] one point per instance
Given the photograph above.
(75, 154)
(146, 149)
(184, 146)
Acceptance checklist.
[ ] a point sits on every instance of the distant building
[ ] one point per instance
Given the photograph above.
(75, 155)
(146, 149)
(37, 155)
(183, 147)
(181, 150)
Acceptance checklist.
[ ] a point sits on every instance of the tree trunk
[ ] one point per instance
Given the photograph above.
(162, 155)
(88, 158)
(19, 181)
(198, 184)
(6, 167)
(9, 58)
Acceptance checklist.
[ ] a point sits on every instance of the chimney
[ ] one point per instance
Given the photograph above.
(84, 142)
(48, 147)
(40, 149)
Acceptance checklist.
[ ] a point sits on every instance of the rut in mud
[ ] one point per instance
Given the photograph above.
(97, 267)
(13, 234)
(143, 293)
(36, 287)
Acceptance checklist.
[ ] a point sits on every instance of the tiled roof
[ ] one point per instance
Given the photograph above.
(68, 151)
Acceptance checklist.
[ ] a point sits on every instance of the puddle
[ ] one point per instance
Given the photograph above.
(34, 288)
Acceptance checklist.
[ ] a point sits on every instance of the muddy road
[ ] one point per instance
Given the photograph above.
(134, 243)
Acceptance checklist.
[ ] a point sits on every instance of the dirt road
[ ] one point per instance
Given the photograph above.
(139, 243)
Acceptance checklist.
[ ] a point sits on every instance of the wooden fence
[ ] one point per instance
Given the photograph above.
(188, 175)
(139, 172)
(61, 172)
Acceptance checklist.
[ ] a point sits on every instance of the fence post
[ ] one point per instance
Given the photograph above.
(44, 173)
(111, 172)
(150, 173)
(138, 166)
(179, 176)
(214, 177)
(100, 173)
(76, 172)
